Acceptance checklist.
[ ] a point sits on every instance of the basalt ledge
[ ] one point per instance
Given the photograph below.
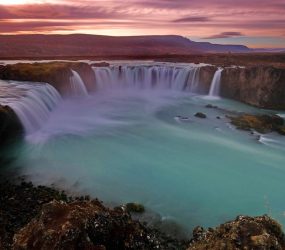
(260, 86)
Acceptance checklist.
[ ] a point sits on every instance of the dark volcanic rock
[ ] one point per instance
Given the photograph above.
(261, 123)
(43, 218)
(11, 129)
(19, 204)
(261, 86)
(255, 233)
(210, 106)
(200, 115)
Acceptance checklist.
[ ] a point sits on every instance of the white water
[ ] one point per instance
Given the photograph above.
(32, 102)
(77, 85)
(148, 77)
(215, 84)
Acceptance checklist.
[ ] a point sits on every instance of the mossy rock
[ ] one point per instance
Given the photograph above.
(281, 130)
(134, 207)
(260, 123)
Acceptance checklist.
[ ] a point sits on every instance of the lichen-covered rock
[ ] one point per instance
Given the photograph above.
(260, 123)
(254, 233)
(261, 86)
(87, 225)
(19, 203)
(134, 207)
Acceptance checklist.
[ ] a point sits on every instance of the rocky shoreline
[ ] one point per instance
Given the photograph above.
(45, 218)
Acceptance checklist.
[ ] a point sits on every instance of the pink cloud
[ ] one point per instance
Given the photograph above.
(209, 18)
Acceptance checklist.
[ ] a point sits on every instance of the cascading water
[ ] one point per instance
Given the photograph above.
(148, 143)
(215, 84)
(148, 77)
(77, 85)
(32, 102)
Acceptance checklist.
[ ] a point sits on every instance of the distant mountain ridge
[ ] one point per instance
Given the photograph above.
(97, 45)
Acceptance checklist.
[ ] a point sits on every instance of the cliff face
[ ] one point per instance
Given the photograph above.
(56, 74)
(260, 86)
(206, 75)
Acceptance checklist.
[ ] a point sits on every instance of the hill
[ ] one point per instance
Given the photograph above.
(23, 46)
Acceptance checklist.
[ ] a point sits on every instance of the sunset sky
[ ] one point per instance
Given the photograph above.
(256, 23)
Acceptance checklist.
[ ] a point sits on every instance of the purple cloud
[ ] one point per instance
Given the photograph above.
(192, 19)
(225, 35)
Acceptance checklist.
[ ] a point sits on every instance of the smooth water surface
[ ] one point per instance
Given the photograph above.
(125, 145)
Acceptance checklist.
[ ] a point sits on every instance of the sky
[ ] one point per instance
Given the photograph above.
(255, 23)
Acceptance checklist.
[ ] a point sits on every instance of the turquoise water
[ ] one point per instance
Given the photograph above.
(129, 145)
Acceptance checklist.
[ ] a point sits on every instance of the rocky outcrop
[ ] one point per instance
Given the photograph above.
(261, 86)
(260, 123)
(255, 233)
(10, 127)
(85, 225)
(44, 218)
(19, 204)
(56, 74)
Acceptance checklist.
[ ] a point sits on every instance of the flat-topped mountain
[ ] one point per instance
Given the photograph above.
(19, 46)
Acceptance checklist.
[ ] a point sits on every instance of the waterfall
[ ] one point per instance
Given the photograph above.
(32, 102)
(148, 77)
(215, 84)
(77, 85)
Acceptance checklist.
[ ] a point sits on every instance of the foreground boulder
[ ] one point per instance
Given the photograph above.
(261, 86)
(254, 233)
(19, 204)
(260, 123)
(87, 225)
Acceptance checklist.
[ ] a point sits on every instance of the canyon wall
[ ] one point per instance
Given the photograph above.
(56, 74)
(260, 86)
